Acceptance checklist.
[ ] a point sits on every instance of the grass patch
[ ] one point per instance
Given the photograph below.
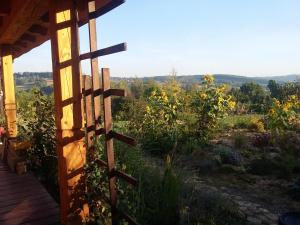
(248, 121)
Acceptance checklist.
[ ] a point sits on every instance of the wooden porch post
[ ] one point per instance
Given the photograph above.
(68, 108)
(9, 98)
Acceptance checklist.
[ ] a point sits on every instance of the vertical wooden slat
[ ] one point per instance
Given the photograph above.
(9, 90)
(69, 118)
(109, 144)
(94, 63)
(89, 119)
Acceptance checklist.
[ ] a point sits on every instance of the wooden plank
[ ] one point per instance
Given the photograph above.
(69, 119)
(105, 9)
(105, 51)
(5, 7)
(9, 91)
(25, 201)
(23, 14)
(115, 92)
(38, 29)
(27, 37)
(94, 64)
(109, 145)
(89, 116)
(123, 138)
(126, 177)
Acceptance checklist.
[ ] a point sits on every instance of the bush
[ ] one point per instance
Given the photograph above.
(39, 126)
(283, 166)
(208, 208)
(289, 142)
(294, 190)
(284, 115)
(228, 156)
(262, 167)
(210, 103)
(262, 140)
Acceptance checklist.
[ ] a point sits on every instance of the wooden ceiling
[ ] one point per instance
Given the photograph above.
(24, 24)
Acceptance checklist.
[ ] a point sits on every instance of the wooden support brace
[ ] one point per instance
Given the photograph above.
(9, 90)
(38, 29)
(28, 37)
(108, 7)
(71, 149)
(109, 146)
(123, 138)
(105, 51)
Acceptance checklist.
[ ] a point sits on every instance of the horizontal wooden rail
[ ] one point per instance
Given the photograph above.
(123, 138)
(131, 180)
(126, 217)
(105, 9)
(105, 51)
(114, 92)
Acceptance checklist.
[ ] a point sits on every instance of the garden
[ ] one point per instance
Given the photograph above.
(207, 153)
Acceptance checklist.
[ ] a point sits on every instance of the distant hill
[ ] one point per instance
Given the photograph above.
(31, 78)
(233, 80)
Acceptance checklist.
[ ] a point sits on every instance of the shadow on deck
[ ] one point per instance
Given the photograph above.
(23, 200)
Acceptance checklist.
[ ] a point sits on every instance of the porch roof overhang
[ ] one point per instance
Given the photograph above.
(24, 24)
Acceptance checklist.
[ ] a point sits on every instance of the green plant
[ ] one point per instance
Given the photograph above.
(284, 115)
(209, 208)
(228, 156)
(210, 103)
(39, 127)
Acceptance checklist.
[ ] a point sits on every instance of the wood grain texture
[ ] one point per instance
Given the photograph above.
(23, 200)
(69, 118)
(9, 90)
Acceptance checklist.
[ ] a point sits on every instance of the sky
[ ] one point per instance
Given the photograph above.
(243, 37)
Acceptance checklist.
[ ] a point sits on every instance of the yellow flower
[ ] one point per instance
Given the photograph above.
(232, 104)
(277, 103)
(165, 98)
(148, 108)
(272, 111)
(209, 78)
(203, 95)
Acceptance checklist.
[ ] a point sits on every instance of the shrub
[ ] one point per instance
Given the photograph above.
(289, 142)
(210, 103)
(209, 208)
(262, 140)
(262, 167)
(294, 190)
(39, 126)
(228, 156)
(284, 115)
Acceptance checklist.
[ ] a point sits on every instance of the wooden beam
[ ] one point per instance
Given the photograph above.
(5, 7)
(105, 51)
(21, 44)
(105, 9)
(28, 37)
(94, 64)
(9, 90)
(69, 118)
(109, 147)
(38, 29)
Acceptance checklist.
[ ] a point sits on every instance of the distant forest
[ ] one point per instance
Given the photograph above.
(27, 80)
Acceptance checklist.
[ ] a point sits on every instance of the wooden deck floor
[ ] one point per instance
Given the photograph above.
(23, 200)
